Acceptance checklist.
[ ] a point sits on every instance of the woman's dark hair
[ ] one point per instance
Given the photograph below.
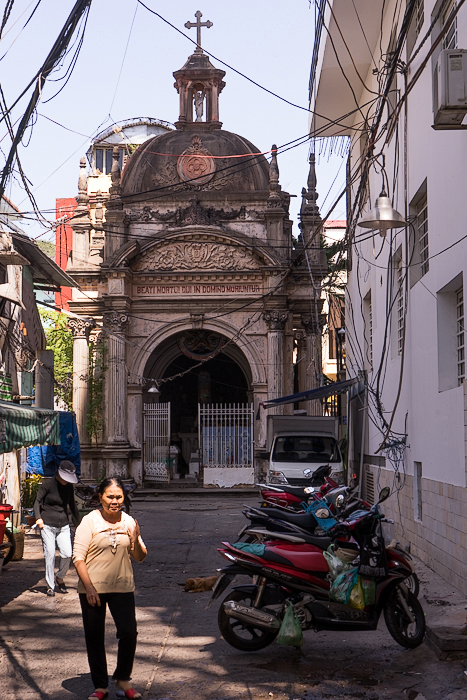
(108, 482)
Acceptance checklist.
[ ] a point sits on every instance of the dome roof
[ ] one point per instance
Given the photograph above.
(182, 161)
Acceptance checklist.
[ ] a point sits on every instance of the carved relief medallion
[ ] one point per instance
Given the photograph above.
(196, 163)
(199, 344)
(196, 256)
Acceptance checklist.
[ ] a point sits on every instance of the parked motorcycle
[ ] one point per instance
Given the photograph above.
(297, 573)
(294, 497)
(90, 496)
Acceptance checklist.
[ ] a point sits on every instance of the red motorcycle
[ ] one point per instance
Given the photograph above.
(293, 497)
(297, 574)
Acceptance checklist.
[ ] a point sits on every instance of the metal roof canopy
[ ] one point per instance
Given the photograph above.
(45, 271)
(320, 393)
(23, 426)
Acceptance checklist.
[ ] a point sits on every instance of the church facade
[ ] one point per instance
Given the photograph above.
(200, 296)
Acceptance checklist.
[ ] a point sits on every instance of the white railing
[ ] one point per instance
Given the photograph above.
(226, 435)
(157, 442)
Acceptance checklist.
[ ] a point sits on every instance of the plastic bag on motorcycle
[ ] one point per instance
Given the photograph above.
(290, 632)
(336, 565)
(342, 586)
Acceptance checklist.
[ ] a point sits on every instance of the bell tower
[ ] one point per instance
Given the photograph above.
(199, 85)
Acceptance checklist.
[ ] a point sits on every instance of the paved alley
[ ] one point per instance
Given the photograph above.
(180, 653)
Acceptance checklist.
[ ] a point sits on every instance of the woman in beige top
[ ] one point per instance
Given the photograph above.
(104, 542)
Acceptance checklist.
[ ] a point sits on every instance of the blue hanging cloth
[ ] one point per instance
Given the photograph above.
(44, 459)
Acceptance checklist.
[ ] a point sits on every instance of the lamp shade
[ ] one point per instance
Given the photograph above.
(382, 217)
(153, 389)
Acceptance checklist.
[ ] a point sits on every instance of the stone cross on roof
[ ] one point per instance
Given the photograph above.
(198, 24)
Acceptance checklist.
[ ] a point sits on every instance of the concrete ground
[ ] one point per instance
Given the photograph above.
(180, 653)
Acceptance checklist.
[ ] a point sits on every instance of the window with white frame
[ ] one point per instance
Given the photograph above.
(400, 306)
(368, 331)
(103, 158)
(450, 36)
(418, 16)
(460, 336)
(451, 334)
(422, 231)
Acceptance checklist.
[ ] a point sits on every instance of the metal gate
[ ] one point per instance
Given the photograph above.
(226, 435)
(157, 442)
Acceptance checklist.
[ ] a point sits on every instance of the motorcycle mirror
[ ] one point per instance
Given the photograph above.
(340, 501)
(384, 494)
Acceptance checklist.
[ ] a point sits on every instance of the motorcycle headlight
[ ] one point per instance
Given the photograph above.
(277, 478)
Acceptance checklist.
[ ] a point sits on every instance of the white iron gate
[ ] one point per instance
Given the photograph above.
(226, 440)
(157, 442)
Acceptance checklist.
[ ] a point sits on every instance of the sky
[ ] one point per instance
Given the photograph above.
(124, 70)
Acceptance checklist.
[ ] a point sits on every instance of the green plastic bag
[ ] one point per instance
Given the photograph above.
(356, 599)
(336, 565)
(290, 632)
(342, 586)
(369, 590)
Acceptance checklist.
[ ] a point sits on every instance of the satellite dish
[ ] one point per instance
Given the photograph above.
(8, 291)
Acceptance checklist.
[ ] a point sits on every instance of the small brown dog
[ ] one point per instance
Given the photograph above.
(198, 585)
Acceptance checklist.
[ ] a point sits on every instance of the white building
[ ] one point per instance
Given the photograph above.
(376, 68)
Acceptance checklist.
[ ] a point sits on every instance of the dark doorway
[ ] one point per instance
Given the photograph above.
(219, 380)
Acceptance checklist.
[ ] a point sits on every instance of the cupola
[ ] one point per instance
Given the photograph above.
(199, 85)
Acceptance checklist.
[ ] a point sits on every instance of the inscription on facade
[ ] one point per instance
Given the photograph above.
(174, 289)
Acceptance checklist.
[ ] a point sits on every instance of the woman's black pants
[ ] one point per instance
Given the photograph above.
(122, 609)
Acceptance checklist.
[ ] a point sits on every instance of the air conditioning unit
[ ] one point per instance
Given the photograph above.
(450, 89)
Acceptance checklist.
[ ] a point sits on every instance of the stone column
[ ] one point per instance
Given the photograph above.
(116, 378)
(313, 361)
(80, 328)
(275, 321)
(300, 337)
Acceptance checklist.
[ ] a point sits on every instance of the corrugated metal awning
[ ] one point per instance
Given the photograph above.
(321, 392)
(45, 271)
(23, 426)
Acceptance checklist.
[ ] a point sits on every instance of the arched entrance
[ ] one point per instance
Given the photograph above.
(205, 397)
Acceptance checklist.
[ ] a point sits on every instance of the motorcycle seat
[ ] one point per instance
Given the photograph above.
(293, 490)
(301, 557)
(305, 520)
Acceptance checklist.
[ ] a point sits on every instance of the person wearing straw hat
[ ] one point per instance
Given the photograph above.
(54, 497)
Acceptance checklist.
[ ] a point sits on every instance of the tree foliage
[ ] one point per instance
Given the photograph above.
(60, 340)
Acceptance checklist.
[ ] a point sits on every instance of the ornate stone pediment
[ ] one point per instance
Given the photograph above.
(194, 214)
(191, 255)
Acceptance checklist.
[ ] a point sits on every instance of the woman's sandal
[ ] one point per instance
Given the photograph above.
(131, 694)
(99, 694)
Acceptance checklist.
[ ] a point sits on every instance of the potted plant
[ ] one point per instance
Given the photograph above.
(29, 489)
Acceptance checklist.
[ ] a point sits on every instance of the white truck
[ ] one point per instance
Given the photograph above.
(296, 444)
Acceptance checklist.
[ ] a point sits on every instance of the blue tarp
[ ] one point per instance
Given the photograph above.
(45, 459)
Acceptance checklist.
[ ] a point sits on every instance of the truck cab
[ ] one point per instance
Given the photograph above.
(300, 443)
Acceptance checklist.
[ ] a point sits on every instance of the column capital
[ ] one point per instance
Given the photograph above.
(115, 321)
(275, 320)
(80, 328)
(313, 326)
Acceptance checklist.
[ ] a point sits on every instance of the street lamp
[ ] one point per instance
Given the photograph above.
(383, 217)
(154, 388)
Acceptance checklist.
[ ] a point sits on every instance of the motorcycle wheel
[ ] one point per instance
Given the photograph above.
(407, 634)
(239, 634)
(9, 537)
(413, 584)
